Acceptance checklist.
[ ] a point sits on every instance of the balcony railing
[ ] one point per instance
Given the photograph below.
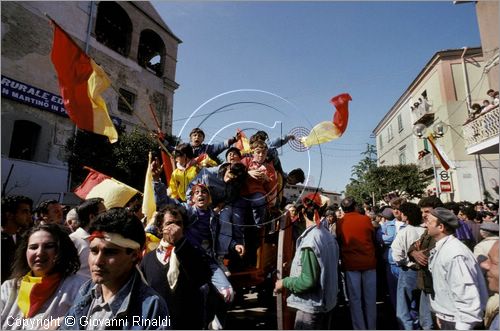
(482, 128)
(423, 112)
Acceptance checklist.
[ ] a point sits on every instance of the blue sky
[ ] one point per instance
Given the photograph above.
(253, 64)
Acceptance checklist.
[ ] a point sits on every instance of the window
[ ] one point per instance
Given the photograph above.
(380, 142)
(402, 158)
(390, 135)
(400, 123)
(130, 97)
(151, 52)
(402, 154)
(24, 140)
(113, 27)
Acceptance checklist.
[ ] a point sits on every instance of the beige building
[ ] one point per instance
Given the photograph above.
(439, 95)
(439, 102)
(131, 43)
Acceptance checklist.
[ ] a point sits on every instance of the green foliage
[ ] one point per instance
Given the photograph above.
(125, 160)
(404, 179)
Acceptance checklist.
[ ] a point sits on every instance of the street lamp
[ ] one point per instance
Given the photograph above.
(439, 129)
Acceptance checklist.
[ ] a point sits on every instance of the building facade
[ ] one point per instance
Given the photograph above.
(129, 40)
(438, 100)
(293, 193)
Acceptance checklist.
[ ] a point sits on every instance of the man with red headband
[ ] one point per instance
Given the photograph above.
(117, 297)
(313, 275)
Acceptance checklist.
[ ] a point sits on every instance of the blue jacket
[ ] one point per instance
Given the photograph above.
(323, 297)
(386, 234)
(132, 309)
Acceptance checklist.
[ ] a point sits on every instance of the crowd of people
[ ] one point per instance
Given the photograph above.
(423, 258)
(90, 268)
(488, 104)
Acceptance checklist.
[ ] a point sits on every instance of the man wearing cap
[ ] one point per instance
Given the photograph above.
(313, 274)
(356, 238)
(489, 233)
(459, 286)
(117, 297)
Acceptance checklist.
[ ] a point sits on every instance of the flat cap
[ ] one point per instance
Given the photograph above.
(445, 216)
(387, 214)
(489, 226)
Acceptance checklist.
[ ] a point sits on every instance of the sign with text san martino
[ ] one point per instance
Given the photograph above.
(33, 96)
(37, 97)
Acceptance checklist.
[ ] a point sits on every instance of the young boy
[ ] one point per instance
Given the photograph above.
(186, 170)
(259, 189)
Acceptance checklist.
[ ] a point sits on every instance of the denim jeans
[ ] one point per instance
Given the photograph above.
(425, 315)
(407, 299)
(258, 204)
(362, 292)
(221, 283)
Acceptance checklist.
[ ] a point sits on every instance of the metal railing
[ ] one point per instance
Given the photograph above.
(483, 127)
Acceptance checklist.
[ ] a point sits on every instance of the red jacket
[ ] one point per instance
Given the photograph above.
(356, 235)
(252, 185)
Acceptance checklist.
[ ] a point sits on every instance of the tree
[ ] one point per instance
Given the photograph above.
(372, 182)
(359, 186)
(125, 160)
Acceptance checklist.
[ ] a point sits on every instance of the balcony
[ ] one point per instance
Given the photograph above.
(481, 134)
(424, 161)
(423, 113)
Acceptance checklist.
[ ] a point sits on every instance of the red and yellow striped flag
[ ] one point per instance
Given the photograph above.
(81, 82)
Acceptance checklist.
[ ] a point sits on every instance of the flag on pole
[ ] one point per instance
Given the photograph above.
(81, 82)
(98, 185)
(440, 154)
(327, 131)
(148, 201)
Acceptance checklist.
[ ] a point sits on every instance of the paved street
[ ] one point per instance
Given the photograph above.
(250, 315)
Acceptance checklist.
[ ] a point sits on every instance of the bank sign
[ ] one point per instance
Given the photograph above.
(36, 97)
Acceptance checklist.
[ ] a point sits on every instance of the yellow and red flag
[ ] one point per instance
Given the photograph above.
(440, 154)
(327, 131)
(98, 185)
(81, 82)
